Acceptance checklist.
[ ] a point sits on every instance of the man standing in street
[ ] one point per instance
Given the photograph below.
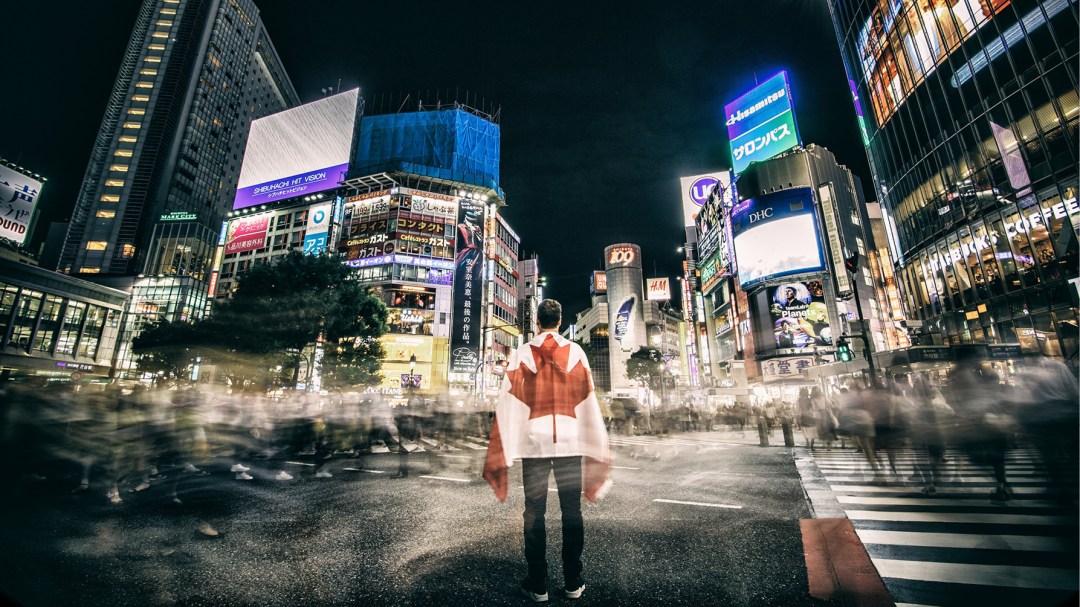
(548, 416)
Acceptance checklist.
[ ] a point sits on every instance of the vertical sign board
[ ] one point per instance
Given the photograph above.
(761, 123)
(468, 289)
(318, 228)
(833, 236)
(18, 197)
(598, 283)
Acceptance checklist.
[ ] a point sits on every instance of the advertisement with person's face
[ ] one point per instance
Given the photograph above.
(799, 315)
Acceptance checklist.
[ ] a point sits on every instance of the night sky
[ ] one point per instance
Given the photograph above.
(602, 110)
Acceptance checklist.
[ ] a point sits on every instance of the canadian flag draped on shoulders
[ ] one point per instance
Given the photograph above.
(547, 408)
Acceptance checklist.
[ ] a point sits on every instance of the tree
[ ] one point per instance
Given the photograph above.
(167, 349)
(281, 310)
(647, 366)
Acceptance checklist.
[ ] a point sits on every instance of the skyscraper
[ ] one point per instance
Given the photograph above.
(969, 116)
(164, 167)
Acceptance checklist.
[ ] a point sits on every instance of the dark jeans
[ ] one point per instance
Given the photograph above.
(535, 472)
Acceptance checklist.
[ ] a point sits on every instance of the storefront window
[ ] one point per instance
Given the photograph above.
(50, 322)
(69, 330)
(959, 270)
(990, 267)
(1065, 321)
(95, 323)
(26, 312)
(1016, 229)
(1009, 272)
(7, 305)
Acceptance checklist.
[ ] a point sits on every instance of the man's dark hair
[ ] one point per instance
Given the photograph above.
(549, 314)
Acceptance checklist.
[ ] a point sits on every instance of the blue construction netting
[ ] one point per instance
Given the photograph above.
(445, 144)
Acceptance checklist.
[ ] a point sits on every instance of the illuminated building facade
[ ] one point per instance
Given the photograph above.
(969, 115)
(195, 74)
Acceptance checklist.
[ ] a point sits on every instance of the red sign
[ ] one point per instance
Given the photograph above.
(247, 234)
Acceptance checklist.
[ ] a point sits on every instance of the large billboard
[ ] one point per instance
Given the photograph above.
(903, 41)
(800, 318)
(776, 235)
(18, 197)
(468, 288)
(247, 234)
(696, 191)
(297, 152)
(761, 123)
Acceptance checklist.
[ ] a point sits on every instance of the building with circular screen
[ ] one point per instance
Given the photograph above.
(968, 110)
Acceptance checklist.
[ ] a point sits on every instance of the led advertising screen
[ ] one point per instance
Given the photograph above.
(18, 197)
(297, 152)
(776, 235)
(903, 41)
(799, 315)
(761, 123)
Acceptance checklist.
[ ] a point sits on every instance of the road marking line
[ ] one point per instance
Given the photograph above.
(363, 470)
(961, 517)
(963, 540)
(732, 507)
(300, 463)
(1013, 576)
(446, 478)
(624, 468)
(455, 456)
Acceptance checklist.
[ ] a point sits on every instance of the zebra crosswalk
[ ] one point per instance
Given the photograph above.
(959, 547)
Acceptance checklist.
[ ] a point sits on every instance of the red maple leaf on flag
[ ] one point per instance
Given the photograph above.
(553, 389)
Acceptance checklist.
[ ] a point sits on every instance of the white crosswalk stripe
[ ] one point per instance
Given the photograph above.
(653, 441)
(958, 547)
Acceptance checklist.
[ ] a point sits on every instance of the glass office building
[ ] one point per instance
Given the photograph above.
(969, 115)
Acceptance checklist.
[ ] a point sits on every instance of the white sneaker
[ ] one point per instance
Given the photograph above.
(323, 474)
(283, 476)
(239, 468)
(244, 476)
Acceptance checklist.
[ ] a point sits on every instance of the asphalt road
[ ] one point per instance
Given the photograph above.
(725, 531)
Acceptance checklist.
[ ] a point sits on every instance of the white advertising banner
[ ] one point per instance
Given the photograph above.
(18, 197)
(696, 190)
(659, 289)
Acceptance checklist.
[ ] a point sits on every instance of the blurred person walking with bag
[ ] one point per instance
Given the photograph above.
(548, 416)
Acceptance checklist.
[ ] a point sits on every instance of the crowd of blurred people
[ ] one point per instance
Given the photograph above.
(124, 440)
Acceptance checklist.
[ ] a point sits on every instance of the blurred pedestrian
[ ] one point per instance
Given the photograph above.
(931, 416)
(1050, 418)
(548, 415)
(984, 420)
(808, 419)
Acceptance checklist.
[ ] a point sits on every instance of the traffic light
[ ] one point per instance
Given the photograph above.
(852, 263)
(843, 350)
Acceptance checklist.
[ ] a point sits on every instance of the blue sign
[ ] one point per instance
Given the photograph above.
(761, 123)
(622, 319)
(701, 188)
(315, 244)
(776, 235)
